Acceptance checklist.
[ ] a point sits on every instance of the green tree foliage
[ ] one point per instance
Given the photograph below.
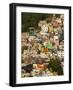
(55, 65)
(31, 20)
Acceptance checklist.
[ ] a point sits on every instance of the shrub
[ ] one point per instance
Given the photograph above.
(55, 65)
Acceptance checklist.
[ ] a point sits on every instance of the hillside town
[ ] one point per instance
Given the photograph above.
(43, 49)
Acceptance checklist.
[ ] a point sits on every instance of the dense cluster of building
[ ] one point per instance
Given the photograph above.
(43, 49)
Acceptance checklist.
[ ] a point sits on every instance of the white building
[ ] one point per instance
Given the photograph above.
(61, 54)
(44, 27)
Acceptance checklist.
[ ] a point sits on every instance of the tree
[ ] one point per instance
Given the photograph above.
(31, 20)
(56, 66)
